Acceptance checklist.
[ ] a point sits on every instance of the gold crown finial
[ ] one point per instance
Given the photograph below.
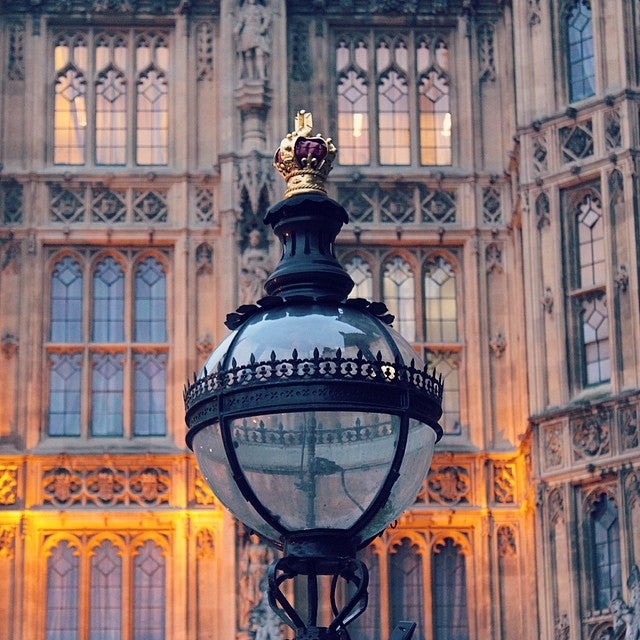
(304, 160)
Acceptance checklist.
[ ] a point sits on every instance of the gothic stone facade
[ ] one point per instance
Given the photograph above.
(488, 159)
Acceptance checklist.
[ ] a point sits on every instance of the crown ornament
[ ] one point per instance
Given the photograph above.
(303, 160)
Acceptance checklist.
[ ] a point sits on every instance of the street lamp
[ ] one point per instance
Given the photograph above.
(314, 422)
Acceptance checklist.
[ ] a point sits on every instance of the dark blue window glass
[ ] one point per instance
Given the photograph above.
(66, 301)
(108, 301)
(106, 592)
(65, 380)
(607, 576)
(406, 589)
(149, 592)
(150, 379)
(107, 385)
(579, 27)
(449, 592)
(63, 574)
(150, 302)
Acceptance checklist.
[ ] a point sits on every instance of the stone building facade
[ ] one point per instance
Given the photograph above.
(488, 159)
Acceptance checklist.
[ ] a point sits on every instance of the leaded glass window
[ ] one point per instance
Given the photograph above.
(360, 272)
(605, 554)
(398, 290)
(111, 97)
(586, 279)
(580, 60)
(409, 98)
(441, 315)
(62, 593)
(407, 592)
(106, 588)
(449, 592)
(117, 333)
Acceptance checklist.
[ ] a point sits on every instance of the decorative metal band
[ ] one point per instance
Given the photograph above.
(395, 374)
(300, 384)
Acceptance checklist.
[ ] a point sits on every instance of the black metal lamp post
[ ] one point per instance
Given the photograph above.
(314, 422)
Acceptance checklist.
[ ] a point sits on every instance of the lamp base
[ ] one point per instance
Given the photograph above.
(354, 572)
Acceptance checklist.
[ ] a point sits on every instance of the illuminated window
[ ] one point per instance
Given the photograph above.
(409, 98)
(398, 289)
(105, 588)
(434, 299)
(579, 34)
(116, 332)
(96, 72)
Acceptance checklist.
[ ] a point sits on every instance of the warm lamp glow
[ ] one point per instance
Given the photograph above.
(446, 125)
(358, 119)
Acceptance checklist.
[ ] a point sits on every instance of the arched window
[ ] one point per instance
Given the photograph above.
(106, 589)
(102, 69)
(360, 273)
(440, 306)
(449, 592)
(105, 609)
(108, 301)
(398, 290)
(579, 35)
(409, 99)
(66, 301)
(63, 579)
(125, 351)
(406, 592)
(149, 581)
(605, 552)
(150, 301)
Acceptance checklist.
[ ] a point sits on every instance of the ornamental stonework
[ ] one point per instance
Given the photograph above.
(555, 504)
(205, 544)
(552, 446)
(503, 482)
(628, 426)
(448, 485)
(590, 436)
(506, 538)
(8, 485)
(104, 486)
(200, 493)
(576, 141)
(7, 542)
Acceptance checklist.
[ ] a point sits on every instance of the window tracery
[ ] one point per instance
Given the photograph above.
(411, 75)
(116, 332)
(94, 115)
(580, 58)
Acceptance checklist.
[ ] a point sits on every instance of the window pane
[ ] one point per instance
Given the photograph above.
(595, 339)
(65, 382)
(440, 301)
(152, 126)
(111, 117)
(435, 120)
(447, 364)
(579, 30)
(360, 273)
(353, 119)
(407, 590)
(70, 117)
(66, 301)
(449, 593)
(107, 385)
(106, 593)
(150, 302)
(149, 396)
(591, 242)
(108, 301)
(148, 593)
(605, 530)
(398, 292)
(393, 119)
(62, 593)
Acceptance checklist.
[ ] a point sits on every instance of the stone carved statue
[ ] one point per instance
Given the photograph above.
(263, 621)
(254, 561)
(252, 35)
(254, 269)
(627, 616)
